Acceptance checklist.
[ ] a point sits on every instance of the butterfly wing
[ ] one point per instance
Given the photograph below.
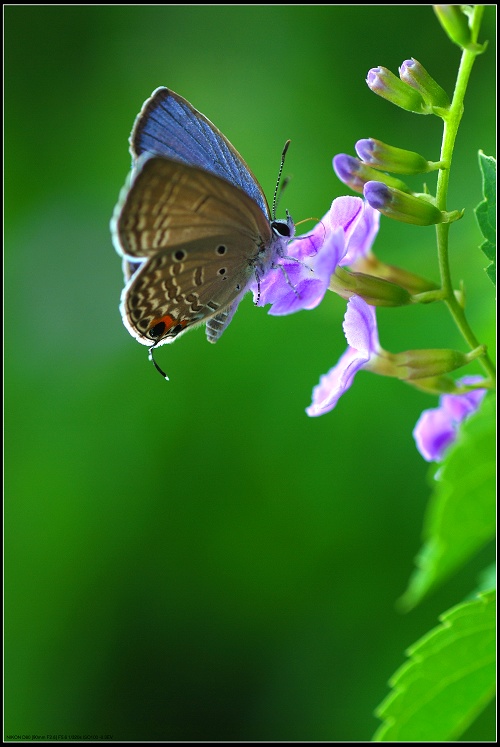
(169, 126)
(167, 203)
(219, 322)
(191, 243)
(182, 287)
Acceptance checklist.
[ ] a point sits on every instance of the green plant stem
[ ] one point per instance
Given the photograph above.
(451, 124)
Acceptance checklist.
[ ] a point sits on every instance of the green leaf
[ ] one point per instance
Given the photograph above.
(486, 212)
(449, 679)
(460, 517)
(487, 579)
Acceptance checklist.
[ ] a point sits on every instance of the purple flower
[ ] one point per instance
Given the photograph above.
(363, 232)
(301, 279)
(437, 428)
(360, 329)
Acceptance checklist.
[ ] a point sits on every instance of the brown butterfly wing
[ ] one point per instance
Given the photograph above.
(184, 286)
(190, 241)
(169, 203)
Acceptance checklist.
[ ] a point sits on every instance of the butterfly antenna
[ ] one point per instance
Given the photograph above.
(284, 183)
(279, 177)
(155, 364)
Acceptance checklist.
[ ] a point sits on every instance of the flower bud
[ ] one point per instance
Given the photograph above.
(375, 291)
(371, 265)
(384, 83)
(356, 174)
(435, 385)
(378, 155)
(412, 72)
(455, 23)
(404, 207)
(423, 364)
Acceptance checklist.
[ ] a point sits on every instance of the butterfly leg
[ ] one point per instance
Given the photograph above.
(257, 279)
(287, 278)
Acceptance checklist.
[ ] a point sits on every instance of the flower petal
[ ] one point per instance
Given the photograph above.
(433, 433)
(301, 279)
(363, 235)
(360, 326)
(337, 381)
(437, 429)
(344, 213)
(459, 406)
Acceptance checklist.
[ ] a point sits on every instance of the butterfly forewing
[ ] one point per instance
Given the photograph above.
(169, 126)
(169, 203)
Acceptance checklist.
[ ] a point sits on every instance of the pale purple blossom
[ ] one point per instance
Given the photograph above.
(360, 329)
(343, 235)
(437, 428)
(362, 234)
(301, 282)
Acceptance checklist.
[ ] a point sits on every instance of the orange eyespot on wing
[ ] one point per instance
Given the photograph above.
(165, 325)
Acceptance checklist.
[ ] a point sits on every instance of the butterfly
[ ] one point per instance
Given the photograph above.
(192, 225)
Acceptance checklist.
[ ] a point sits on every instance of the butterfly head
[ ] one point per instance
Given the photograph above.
(284, 228)
(283, 232)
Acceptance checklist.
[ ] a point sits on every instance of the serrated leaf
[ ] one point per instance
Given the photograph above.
(448, 681)
(460, 517)
(486, 212)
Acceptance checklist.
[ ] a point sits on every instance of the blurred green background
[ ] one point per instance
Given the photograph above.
(198, 560)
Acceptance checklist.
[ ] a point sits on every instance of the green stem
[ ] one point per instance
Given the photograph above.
(451, 124)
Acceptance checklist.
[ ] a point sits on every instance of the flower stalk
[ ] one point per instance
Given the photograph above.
(450, 130)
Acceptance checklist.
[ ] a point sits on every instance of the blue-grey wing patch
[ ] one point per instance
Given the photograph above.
(169, 126)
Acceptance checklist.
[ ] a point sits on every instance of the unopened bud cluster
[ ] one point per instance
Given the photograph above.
(357, 274)
(416, 91)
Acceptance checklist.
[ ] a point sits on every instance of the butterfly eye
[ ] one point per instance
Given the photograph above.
(282, 228)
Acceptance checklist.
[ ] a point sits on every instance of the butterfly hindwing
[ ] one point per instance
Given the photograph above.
(183, 286)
